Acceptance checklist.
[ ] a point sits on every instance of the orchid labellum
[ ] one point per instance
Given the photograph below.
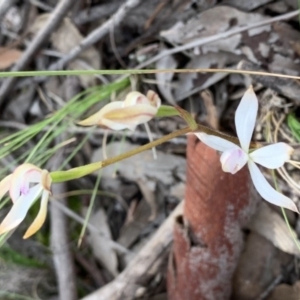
(134, 110)
(25, 185)
(234, 157)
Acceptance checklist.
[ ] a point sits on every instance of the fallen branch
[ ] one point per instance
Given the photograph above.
(144, 266)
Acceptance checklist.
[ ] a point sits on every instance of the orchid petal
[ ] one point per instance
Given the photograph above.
(19, 180)
(266, 191)
(215, 142)
(134, 98)
(233, 160)
(40, 218)
(5, 185)
(132, 115)
(245, 117)
(154, 98)
(272, 156)
(113, 125)
(33, 175)
(19, 210)
(97, 118)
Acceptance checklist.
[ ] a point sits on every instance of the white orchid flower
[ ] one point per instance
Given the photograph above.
(234, 157)
(25, 185)
(134, 110)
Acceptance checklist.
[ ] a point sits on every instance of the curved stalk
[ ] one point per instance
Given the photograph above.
(78, 172)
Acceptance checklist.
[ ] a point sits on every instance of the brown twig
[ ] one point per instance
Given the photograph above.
(94, 37)
(98, 12)
(91, 268)
(143, 267)
(97, 34)
(58, 14)
(216, 37)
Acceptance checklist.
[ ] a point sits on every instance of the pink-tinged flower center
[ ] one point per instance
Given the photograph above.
(24, 189)
(142, 100)
(233, 160)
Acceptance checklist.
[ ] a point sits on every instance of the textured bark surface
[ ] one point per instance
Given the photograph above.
(208, 238)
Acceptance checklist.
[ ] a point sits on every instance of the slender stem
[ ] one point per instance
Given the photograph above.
(75, 173)
(60, 176)
(205, 129)
(233, 139)
(135, 71)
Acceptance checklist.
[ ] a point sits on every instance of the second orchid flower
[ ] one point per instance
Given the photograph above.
(235, 157)
(134, 110)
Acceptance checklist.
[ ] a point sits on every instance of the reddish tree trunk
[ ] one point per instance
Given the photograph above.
(208, 237)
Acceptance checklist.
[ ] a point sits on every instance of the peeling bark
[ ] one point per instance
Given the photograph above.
(208, 238)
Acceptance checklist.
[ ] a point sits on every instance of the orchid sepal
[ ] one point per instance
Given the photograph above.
(266, 191)
(245, 117)
(134, 110)
(272, 156)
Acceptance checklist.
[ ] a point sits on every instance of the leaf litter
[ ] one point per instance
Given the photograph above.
(140, 193)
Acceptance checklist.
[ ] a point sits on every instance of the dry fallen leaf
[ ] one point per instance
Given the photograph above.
(166, 168)
(64, 39)
(191, 83)
(286, 292)
(271, 226)
(259, 265)
(101, 248)
(224, 18)
(8, 57)
(165, 79)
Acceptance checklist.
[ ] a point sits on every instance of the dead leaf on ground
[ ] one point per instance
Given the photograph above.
(259, 264)
(202, 26)
(191, 83)
(12, 20)
(271, 226)
(167, 168)
(131, 231)
(99, 243)
(246, 4)
(64, 39)
(286, 292)
(8, 57)
(273, 45)
(165, 79)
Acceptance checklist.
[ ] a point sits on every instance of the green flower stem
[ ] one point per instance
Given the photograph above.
(60, 176)
(75, 173)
